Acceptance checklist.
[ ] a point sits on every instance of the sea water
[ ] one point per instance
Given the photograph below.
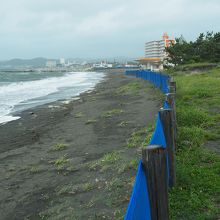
(23, 90)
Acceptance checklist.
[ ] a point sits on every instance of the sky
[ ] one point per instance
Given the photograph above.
(98, 28)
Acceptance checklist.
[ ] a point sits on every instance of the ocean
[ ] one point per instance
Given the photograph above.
(20, 91)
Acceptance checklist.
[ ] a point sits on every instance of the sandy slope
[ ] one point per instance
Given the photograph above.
(35, 184)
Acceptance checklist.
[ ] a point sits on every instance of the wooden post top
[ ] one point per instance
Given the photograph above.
(152, 147)
(165, 110)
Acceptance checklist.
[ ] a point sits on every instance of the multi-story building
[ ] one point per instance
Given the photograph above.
(62, 61)
(155, 53)
(51, 63)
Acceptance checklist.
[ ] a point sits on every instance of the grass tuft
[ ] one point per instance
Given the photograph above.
(137, 138)
(107, 160)
(131, 88)
(112, 112)
(61, 162)
(91, 121)
(34, 169)
(59, 147)
(79, 115)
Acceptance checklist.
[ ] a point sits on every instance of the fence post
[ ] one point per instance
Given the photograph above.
(166, 120)
(170, 99)
(154, 162)
(172, 85)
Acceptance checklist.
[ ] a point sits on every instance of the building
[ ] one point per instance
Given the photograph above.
(131, 65)
(155, 53)
(102, 65)
(51, 63)
(62, 62)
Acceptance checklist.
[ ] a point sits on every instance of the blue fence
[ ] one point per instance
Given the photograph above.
(139, 205)
(158, 79)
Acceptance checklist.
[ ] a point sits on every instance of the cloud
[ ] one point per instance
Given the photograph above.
(98, 27)
(104, 22)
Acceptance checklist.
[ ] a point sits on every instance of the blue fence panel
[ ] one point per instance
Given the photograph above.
(166, 105)
(158, 137)
(158, 79)
(139, 205)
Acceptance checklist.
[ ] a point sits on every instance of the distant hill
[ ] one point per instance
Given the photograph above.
(120, 59)
(16, 63)
(41, 62)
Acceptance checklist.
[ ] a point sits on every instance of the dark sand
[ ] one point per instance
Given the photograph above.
(79, 185)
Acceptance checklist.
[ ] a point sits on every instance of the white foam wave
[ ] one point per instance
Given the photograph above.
(16, 93)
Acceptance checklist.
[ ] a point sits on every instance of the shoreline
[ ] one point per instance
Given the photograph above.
(52, 107)
(17, 110)
(52, 158)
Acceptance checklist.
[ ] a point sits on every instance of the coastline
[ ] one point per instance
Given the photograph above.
(100, 122)
(32, 90)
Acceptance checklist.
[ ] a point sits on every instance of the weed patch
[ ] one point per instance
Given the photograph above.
(71, 189)
(112, 112)
(59, 147)
(106, 161)
(137, 138)
(61, 162)
(79, 115)
(91, 121)
(34, 169)
(130, 88)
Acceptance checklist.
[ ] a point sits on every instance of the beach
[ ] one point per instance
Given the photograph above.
(74, 159)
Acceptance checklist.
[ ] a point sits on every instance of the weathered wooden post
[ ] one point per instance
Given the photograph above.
(170, 99)
(172, 85)
(154, 162)
(166, 120)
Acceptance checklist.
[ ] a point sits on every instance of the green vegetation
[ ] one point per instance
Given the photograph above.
(59, 147)
(73, 189)
(79, 115)
(112, 112)
(106, 161)
(206, 48)
(116, 195)
(140, 137)
(90, 121)
(137, 138)
(61, 162)
(34, 169)
(198, 106)
(130, 88)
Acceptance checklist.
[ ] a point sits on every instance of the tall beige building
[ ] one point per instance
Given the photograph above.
(155, 49)
(155, 53)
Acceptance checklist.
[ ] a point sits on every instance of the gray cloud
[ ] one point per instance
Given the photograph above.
(70, 28)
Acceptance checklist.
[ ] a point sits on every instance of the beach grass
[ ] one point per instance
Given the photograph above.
(79, 115)
(137, 138)
(104, 162)
(130, 88)
(60, 162)
(34, 169)
(112, 112)
(59, 147)
(90, 121)
(141, 137)
(198, 103)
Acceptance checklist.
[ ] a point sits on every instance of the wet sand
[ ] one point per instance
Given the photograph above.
(70, 160)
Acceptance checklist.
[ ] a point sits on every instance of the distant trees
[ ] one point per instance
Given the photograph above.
(206, 48)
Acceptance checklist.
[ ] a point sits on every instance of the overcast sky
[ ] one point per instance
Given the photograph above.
(98, 28)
